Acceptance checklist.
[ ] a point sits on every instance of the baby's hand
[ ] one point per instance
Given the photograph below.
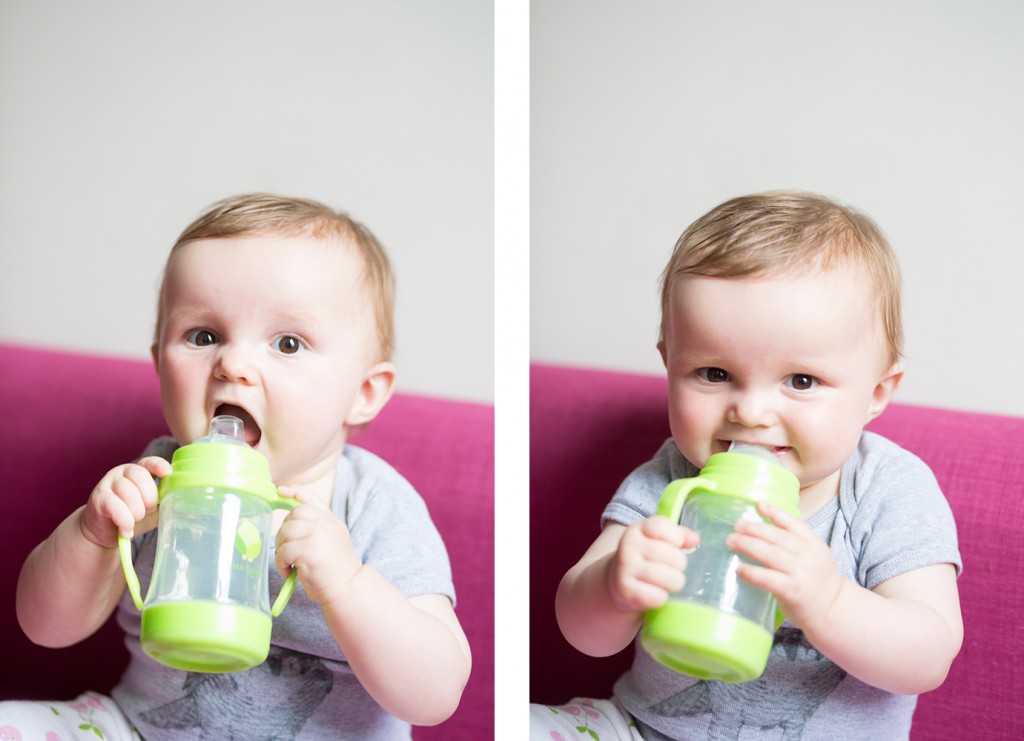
(649, 563)
(315, 541)
(797, 566)
(124, 501)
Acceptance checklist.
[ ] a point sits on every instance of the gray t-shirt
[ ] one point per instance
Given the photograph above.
(305, 689)
(890, 517)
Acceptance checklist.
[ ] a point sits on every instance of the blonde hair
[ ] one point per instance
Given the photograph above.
(770, 234)
(265, 213)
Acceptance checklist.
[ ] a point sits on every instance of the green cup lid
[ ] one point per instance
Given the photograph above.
(754, 474)
(221, 459)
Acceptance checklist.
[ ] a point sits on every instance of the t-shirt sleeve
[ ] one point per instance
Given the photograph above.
(391, 530)
(637, 497)
(163, 447)
(901, 520)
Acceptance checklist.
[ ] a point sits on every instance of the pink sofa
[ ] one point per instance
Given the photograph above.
(65, 419)
(589, 429)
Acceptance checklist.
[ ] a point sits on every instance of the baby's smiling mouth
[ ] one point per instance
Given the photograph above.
(251, 429)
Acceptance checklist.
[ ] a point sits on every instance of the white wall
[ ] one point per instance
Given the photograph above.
(645, 115)
(121, 121)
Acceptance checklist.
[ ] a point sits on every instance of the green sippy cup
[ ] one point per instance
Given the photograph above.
(208, 604)
(719, 626)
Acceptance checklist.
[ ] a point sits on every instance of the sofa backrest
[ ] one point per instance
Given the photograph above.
(65, 419)
(589, 429)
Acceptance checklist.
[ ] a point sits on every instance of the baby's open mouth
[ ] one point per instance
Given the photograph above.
(251, 429)
(776, 450)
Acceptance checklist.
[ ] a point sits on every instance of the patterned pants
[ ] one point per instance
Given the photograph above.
(582, 718)
(90, 716)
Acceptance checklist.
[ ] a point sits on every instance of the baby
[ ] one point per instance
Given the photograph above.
(780, 328)
(278, 311)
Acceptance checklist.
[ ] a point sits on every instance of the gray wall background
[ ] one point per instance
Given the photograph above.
(120, 122)
(645, 115)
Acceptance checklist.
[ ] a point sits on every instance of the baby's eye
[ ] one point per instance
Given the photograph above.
(288, 344)
(801, 382)
(201, 338)
(714, 375)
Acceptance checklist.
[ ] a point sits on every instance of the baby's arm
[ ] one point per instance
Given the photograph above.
(410, 654)
(71, 582)
(627, 570)
(902, 636)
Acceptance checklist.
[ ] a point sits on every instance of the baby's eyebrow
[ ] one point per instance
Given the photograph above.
(186, 313)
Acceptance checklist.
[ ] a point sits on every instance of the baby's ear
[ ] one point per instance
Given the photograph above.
(376, 389)
(885, 389)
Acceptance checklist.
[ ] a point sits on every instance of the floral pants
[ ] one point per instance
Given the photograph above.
(584, 719)
(90, 716)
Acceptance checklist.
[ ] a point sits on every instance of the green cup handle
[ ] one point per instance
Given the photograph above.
(288, 588)
(124, 548)
(674, 497)
(779, 618)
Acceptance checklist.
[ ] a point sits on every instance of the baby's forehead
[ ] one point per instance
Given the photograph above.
(268, 266)
(845, 288)
(281, 254)
(273, 245)
(816, 302)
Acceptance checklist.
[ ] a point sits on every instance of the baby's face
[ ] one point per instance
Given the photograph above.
(275, 330)
(793, 363)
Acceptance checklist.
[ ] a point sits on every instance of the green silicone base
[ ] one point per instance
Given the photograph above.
(706, 643)
(206, 636)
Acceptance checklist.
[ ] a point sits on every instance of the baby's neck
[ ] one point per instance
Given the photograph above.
(317, 489)
(318, 479)
(320, 492)
(815, 496)
(323, 490)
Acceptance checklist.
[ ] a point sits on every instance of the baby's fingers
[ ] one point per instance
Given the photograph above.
(638, 596)
(637, 550)
(155, 465)
(640, 584)
(658, 528)
(302, 495)
(142, 479)
(648, 565)
(769, 545)
(784, 520)
(135, 494)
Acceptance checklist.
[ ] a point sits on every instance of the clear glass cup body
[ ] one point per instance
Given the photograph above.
(212, 546)
(711, 577)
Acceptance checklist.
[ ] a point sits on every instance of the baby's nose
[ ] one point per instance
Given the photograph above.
(235, 364)
(752, 408)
